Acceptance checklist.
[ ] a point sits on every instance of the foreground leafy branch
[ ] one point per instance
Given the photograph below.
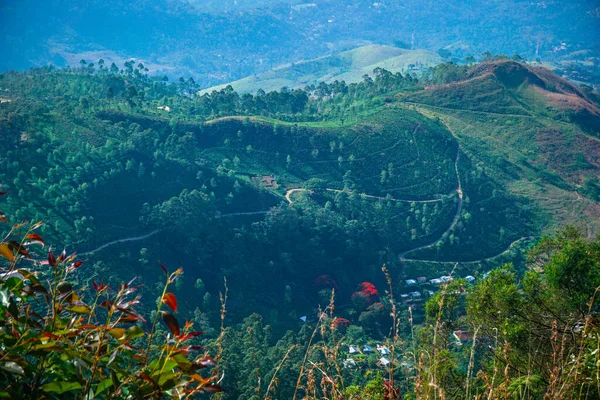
(56, 343)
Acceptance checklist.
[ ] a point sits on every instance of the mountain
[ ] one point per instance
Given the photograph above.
(422, 176)
(220, 42)
(349, 66)
(536, 130)
(280, 202)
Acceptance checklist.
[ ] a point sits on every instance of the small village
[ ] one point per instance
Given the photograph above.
(359, 354)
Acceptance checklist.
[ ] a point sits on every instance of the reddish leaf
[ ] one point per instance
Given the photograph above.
(164, 269)
(189, 335)
(99, 288)
(131, 314)
(147, 378)
(107, 304)
(50, 335)
(170, 300)
(213, 388)
(63, 255)
(77, 264)
(87, 326)
(16, 246)
(35, 238)
(3, 217)
(3, 193)
(171, 322)
(130, 319)
(51, 258)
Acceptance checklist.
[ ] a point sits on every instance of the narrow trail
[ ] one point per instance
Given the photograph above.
(513, 244)
(126, 239)
(455, 220)
(289, 193)
(242, 214)
(459, 191)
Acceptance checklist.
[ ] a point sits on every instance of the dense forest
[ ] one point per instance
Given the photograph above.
(282, 207)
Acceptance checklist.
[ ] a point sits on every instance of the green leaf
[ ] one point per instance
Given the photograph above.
(182, 361)
(15, 283)
(134, 332)
(5, 395)
(61, 387)
(103, 386)
(167, 380)
(13, 367)
(80, 309)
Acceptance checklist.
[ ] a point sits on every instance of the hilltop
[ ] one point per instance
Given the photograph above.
(535, 130)
(349, 66)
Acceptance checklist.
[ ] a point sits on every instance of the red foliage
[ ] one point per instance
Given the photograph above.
(326, 281)
(390, 392)
(341, 323)
(366, 294)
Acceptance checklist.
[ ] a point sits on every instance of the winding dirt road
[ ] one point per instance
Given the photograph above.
(289, 193)
(459, 191)
(126, 239)
(402, 256)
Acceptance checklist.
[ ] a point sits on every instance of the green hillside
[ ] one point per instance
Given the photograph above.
(531, 129)
(349, 66)
(285, 195)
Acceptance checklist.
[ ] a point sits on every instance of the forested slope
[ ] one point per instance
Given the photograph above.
(291, 194)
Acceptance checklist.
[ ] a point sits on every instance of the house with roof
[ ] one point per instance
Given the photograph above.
(415, 295)
(470, 278)
(383, 362)
(421, 280)
(367, 349)
(411, 282)
(383, 350)
(435, 281)
(352, 349)
(446, 279)
(349, 363)
(269, 182)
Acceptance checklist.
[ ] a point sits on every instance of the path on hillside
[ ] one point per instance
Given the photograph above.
(513, 244)
(126, 239)
(459, 191)
(467, 110)
(154, 232)
(370, 196)
(455, 220)
(236, 214)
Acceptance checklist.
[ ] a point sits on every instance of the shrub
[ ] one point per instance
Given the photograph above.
(62, 340)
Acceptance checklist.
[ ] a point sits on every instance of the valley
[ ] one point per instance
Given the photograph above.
(279, 203)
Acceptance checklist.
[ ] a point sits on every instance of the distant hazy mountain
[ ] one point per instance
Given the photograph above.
(349, 66)
(222, 41)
